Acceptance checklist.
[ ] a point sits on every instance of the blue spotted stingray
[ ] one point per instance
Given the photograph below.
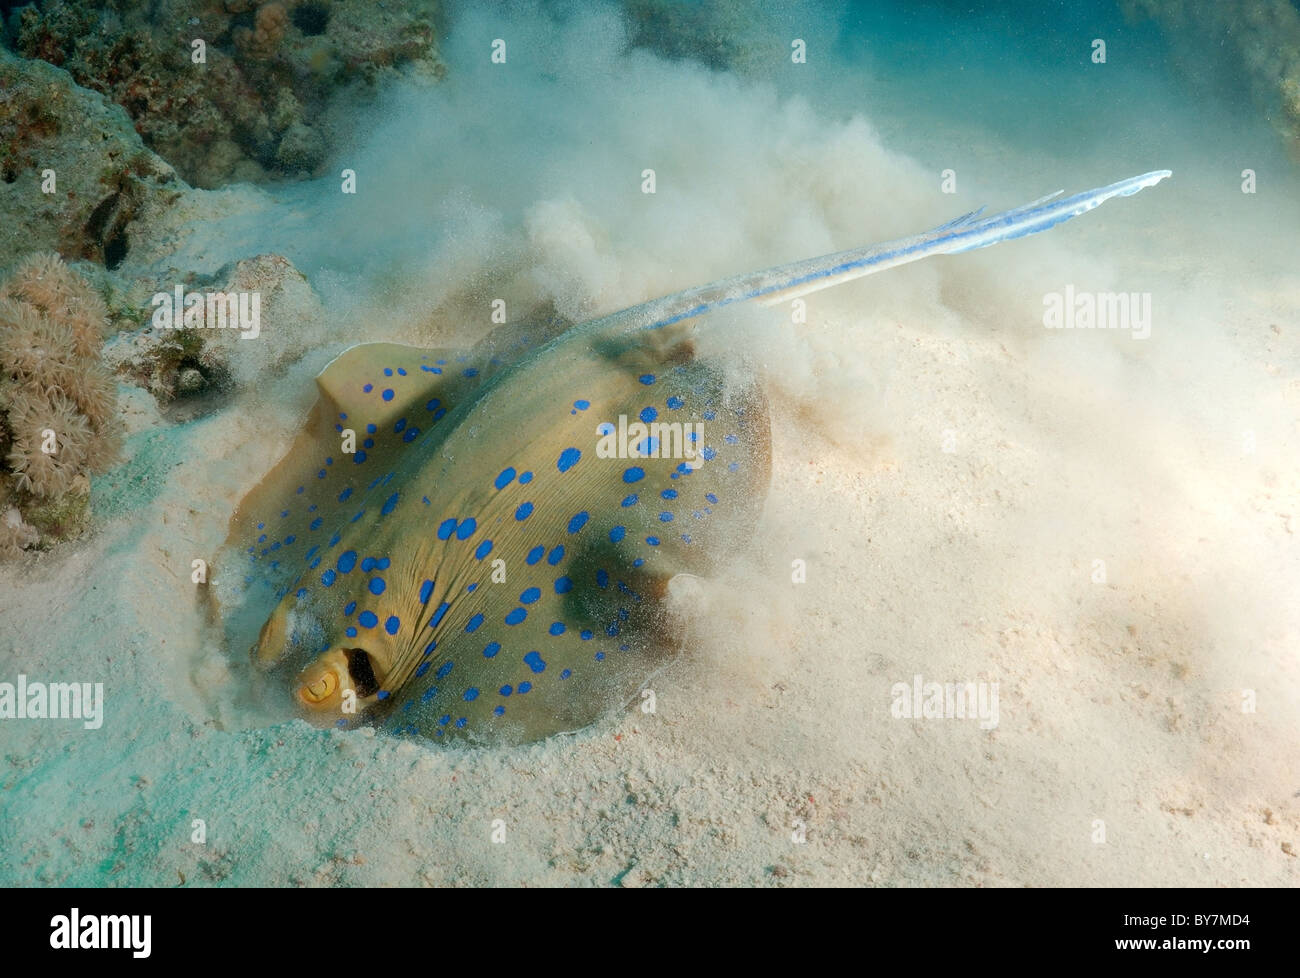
(490, 561)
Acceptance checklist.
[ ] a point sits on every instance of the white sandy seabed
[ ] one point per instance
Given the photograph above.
(1172, 459)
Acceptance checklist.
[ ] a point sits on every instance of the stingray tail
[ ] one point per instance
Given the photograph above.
(966, 233)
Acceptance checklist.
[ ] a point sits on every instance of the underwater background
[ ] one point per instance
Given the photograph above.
(1104, 525)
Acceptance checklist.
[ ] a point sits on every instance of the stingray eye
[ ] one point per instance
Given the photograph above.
(322, 688)
(362, 671)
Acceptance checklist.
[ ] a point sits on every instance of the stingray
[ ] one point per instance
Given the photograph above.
(480, 546)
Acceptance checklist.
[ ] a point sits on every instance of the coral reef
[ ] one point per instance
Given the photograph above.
(57, 403)
(257, 105)
(1260, 37)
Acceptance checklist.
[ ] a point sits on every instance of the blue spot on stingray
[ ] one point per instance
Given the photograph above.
(327, 578)
(534, 662)
(629, 501)
(647, 379)
(534, 555)
(616, 534)
(506, 477)
(350, 632)
(320, 474)
(401, 372)
(388, 371)
(368, 564)
(604, 428)
(732, 466)
(412, 433)
(638, 562)
(709, 415)
(392, 624)
(563, 585)
(524, 687)
(586, 635)
(446, 528)
(368, 443)
(301, 592)
(426, 591)
(387, 394)
(669, 494)
(499, 711)
(350, 607)
(390, 504)
(648, 414)
(491, 649)
(423, 668)
(473, 624)
(289, 539)
(582, 405)
(466, 529)
(633, 473)
(674, 402)
(530, 595)
(358, 458)
(523, 512)
(653, 541)
(711, 497)
(526, 478)
(600, 656)
(371, 429)
(568, 459)
(368, 619)
(377, 585)
(262, 538)
(300, 489)
(516, 616)
(665, 517)
(556, 555)
(602, 578)
(437, 615)
(506, 690)
(471, 372)
(578, 522)
(471, 695)
(443, 670)
(731, 439)
(368, 388)
(566, 674)
(483, 550)
(360, 513)
(557, 628)
(432, 405)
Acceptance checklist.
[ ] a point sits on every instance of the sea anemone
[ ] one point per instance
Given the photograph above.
(58, 404)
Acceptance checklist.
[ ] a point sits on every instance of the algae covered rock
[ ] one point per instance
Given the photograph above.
(231, 90)
(74, 176)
